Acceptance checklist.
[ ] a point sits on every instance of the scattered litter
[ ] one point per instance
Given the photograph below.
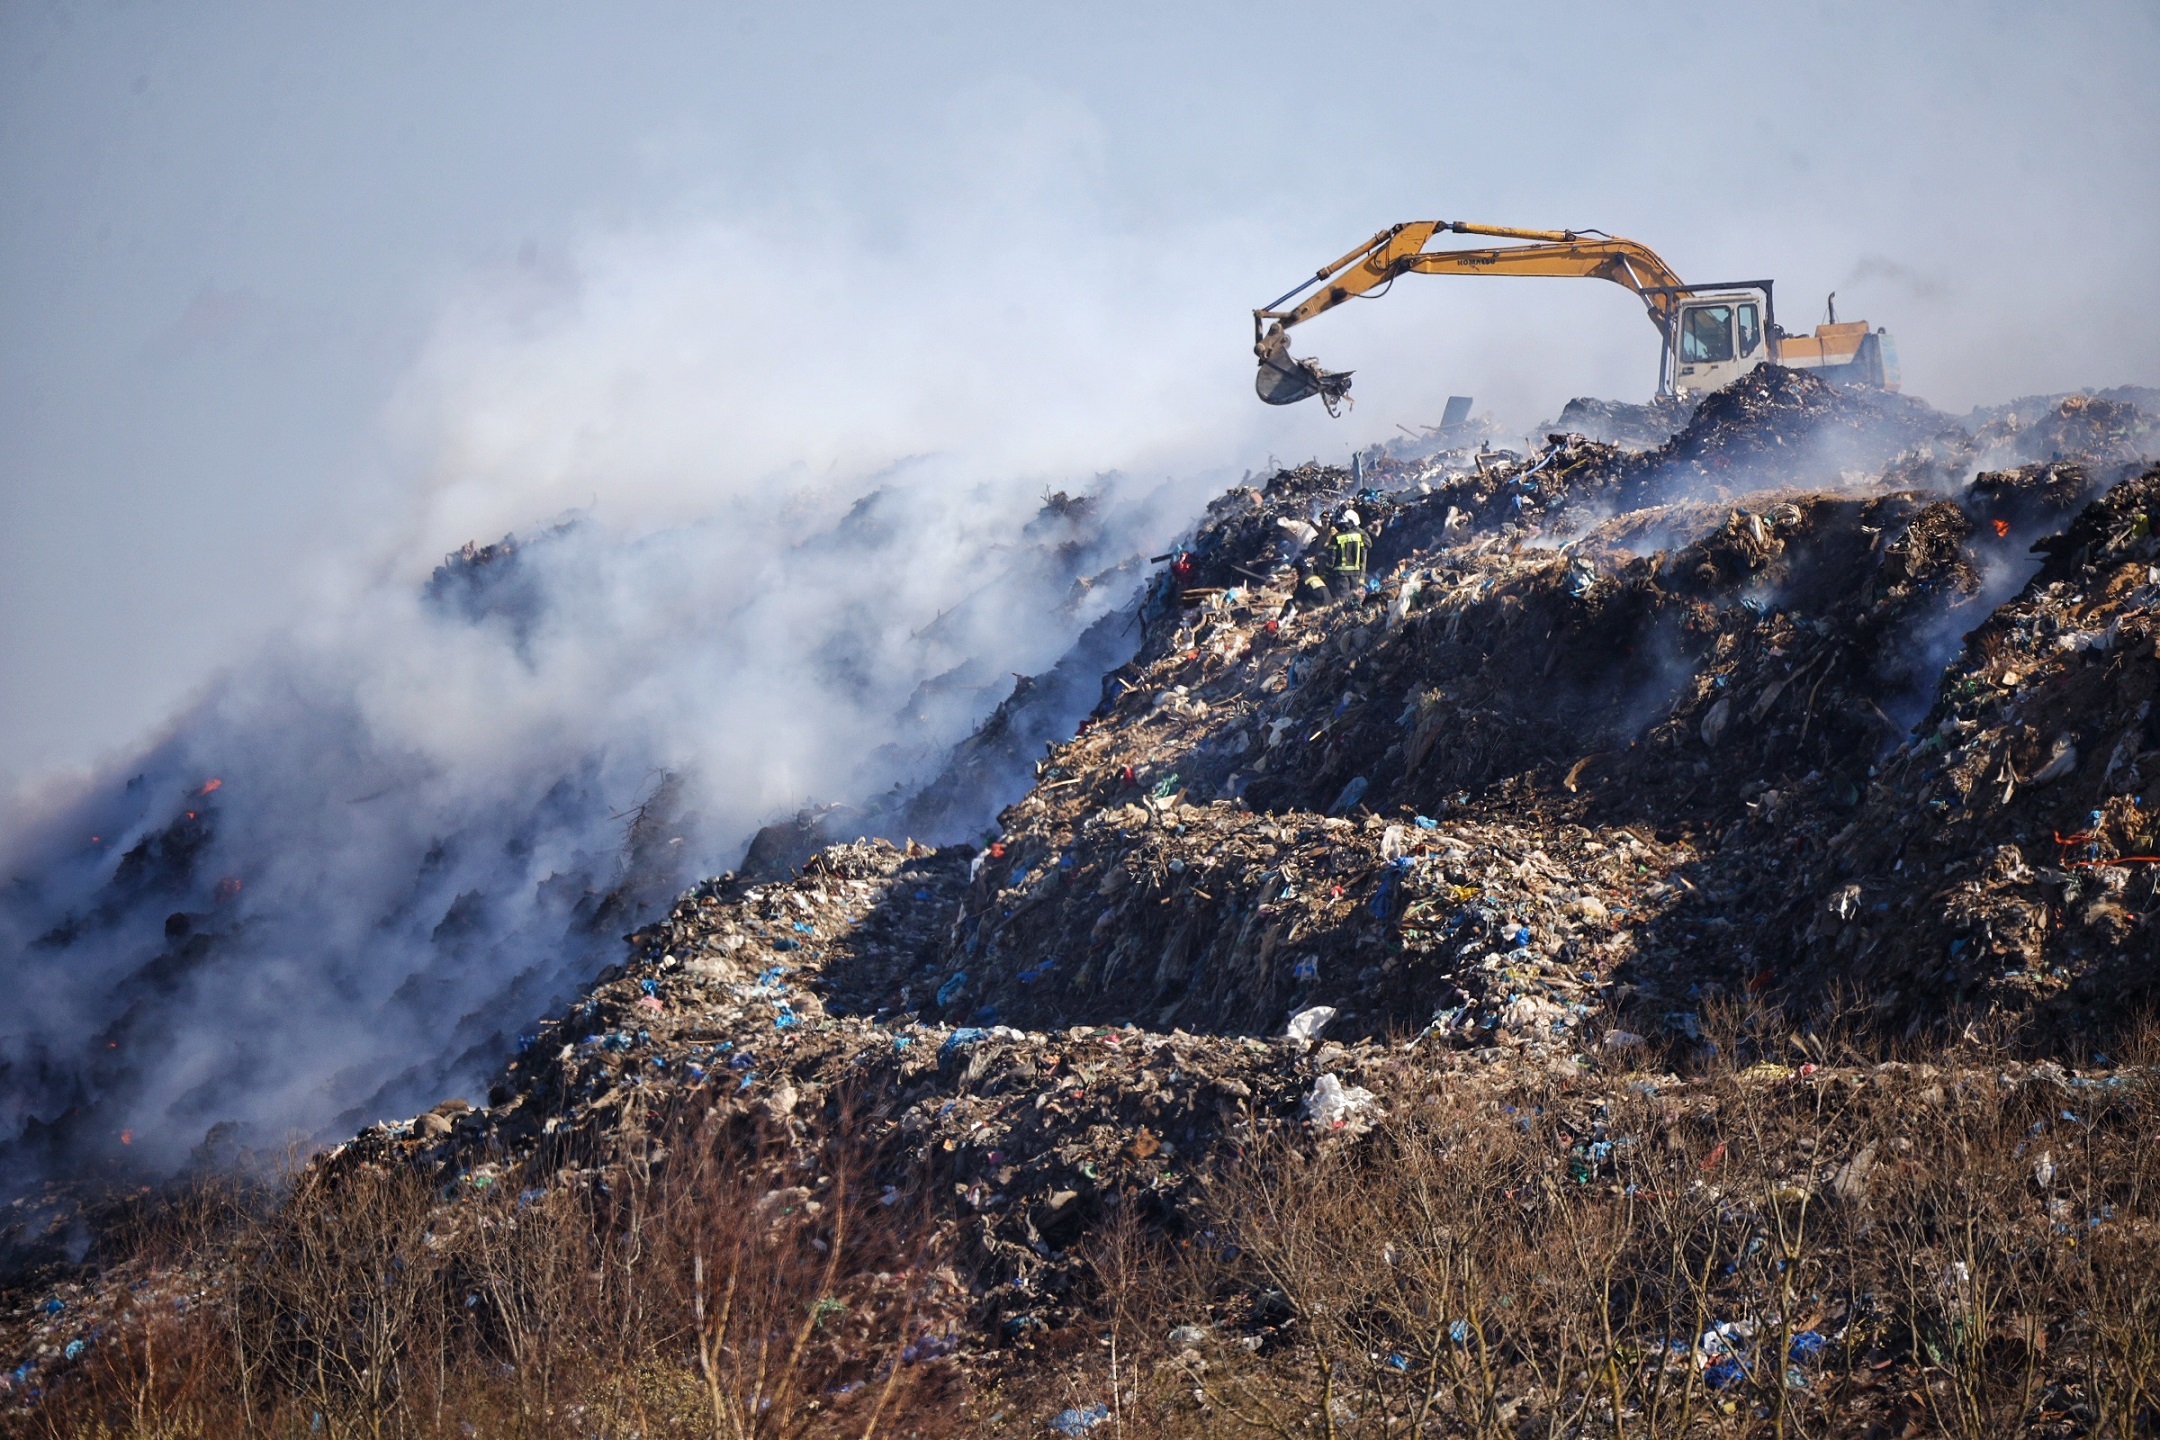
(1079, 1419)
(1307, 1024)
(1622, 747)
(1332, 1104)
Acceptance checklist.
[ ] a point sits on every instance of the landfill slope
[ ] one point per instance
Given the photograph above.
(742, 1004)
(1604, 736)
(1568, 754)
(2005, 857)
(1786, 709)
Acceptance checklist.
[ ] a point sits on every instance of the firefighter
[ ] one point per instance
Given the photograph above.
(1312, 587)
(1347, 547)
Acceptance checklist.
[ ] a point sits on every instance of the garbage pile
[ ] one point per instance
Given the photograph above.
(1563, 773)
(1778, 708)
(747, 1003)
(1616, 422)
(2005, 857)
(767, 1002)
(1132, 899)
(2112, 426)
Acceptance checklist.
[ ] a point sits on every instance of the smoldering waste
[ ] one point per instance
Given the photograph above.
(1786, 710)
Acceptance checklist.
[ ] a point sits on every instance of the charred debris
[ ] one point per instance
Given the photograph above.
(1828, 702)
(1778, 713)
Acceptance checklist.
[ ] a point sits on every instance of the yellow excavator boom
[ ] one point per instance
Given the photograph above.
(1707, 339)
(1400, 250)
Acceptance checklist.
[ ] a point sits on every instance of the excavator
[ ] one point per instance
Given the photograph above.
(1710, 334)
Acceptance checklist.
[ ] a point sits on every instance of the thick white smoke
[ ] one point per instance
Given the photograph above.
(779, 490)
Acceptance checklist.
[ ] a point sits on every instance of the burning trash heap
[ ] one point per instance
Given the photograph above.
(1830, 706)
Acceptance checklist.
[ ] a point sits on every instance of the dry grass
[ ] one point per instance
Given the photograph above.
(1762, 1251)
(1920, 1252)
(706, 1283)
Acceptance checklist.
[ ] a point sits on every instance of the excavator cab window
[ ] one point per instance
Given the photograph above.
(1750, 330)
(1706, 334)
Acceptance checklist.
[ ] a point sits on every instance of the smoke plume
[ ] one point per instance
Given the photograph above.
(763, 546)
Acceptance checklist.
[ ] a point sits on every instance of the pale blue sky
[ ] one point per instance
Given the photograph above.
(236, 237)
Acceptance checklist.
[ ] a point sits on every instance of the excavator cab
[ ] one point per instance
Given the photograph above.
(1716, 339)
(1712, 339)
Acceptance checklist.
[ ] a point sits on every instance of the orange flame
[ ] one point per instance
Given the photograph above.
(210, 785)
(127, 1137)
(2002, 528)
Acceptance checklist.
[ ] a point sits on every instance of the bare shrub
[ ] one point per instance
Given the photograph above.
(707, 1279)
(1782, 1246)
(1795, 1238)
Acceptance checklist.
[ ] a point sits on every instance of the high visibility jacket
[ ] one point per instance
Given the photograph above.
(1349, 547)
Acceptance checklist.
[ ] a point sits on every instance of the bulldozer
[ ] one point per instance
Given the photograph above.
(1709, 335)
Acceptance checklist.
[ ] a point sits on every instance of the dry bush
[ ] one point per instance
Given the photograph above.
(707, 1281)
(1921, 1249)
(1904, 1248)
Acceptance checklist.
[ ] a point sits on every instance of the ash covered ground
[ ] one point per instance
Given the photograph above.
(1831, 703)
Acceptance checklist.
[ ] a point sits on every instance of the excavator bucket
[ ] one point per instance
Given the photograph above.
(1285, 380)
